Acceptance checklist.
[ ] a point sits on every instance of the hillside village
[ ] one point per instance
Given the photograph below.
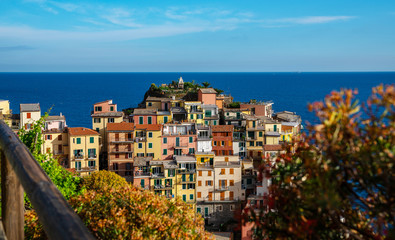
(184, 140)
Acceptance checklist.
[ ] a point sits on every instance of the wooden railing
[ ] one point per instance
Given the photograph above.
(21, 172)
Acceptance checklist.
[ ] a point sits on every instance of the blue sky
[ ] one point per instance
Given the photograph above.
(197, 36)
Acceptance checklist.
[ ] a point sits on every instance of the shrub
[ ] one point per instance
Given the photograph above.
(103, 180)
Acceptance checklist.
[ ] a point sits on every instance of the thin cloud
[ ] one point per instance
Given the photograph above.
(15, 48)
(312, 19)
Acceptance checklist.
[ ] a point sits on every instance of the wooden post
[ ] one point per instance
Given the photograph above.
(12, 207)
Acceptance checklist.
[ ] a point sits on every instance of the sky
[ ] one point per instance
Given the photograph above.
(197, 36)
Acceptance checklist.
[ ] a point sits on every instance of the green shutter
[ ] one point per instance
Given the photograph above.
(149, 120)
(198, 210)
(142, 183)
(177, 141)
(215, 122)
(260, 134)
(190, 139)
(149, 145)
(165, 119)
(164, 151)
(184, 198)
(92, 140)
(164, 140)
(275, 128)
(183, 177)
(191, 177)
(78, 140)
(253, 124)
(141, 120)
(206, 211)
(191, 196)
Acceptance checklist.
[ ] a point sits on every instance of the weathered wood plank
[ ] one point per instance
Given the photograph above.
(12, 201)
(57, 217)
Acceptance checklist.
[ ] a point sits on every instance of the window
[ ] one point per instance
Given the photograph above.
(253, 124)
(29, 115)
(191, 150)
(140, 154)
(165, 119)
(222, 197)
(190, 139)
(231, 182)
(251, 144)
(200, 173)
(112, 108)
(209, 183)
(232, 207)
(164, 140)
(231, 171)
(184, 198)
(96, 120)
(231, 196)
(110, 120)
(219, 208)
(149, 120)
(222, 143)
(78, 165)
(215, 122)
(199, 183)
(171, 172)
(78, 140)
(249, 181)
(97, 130)
(184, 186)
(164, 151)
(91, 163)
(142, 183)
(150, 134)
(191, 116)
(222, 171)
(91, 153)
(48, 137)
(191, 196)
(191, 177)
(91, 140)
(215, 143)
(199, 116)
(260, 134)
(206, 122)
(208, 113)
(177, 141)
(98, 109)
(210, 196)
(140, 145)
(259, 144)
(199, 194)
(209, 173)
(149, 145)
(206, 211)
(226, 159)
(191, 186)
(141, 120)
(116, 155)
(149, 104)
(60, 137)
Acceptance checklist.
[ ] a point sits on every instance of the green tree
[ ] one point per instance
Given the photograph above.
(339, 181)
(206, 84)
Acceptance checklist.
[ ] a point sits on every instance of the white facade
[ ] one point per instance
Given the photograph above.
(29, 113)
(204, 145)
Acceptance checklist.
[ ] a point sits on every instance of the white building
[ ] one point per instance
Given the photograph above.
(29, 113)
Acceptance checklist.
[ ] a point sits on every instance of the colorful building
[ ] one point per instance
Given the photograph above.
(148, 141)
(211, 115)
(144, 116)
(255, 137)
(29, 113)
(56, 138)
(141, 172)
(186, 179)
(178, 140)
(194, 112)
(222, 140)
(120, 149)
(207, 96)
(83, 150)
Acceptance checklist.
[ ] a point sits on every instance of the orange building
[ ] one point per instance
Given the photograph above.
(120, 148)
(222, 140)
(207, 96)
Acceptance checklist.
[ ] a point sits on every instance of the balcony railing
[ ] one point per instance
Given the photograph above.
(142, 174)
(157, 175)
(87, 169)
(79, 156)
(92, 156)
(21, 172)
(186, 170)
(117, 150)
(221, 188)
(121, 140)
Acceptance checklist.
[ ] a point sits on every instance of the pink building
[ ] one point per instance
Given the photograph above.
(207, 96)
(178, 139)
(144, 116)
(141, 173)
(104, 107)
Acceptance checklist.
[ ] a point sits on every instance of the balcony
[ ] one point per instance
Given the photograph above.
(140, 139)
(186, 170)
(121, 140)
(187, 180)
(79, 156)
(221, 188)
(92, 156)
(117, 150)
(161, 187)
(87, 169)
(141, 174)
(157, 175)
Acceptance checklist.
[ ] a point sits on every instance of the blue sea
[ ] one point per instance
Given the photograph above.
(73, 94)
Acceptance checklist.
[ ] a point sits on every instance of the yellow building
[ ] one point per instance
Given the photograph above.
(186, 179)
(255, 137)
(163, 117)
(194, 112)
(148, 141)
(272, 132)
(56, 138)
(104, 112)
(83, 150)
(163, 177)
(5, 112)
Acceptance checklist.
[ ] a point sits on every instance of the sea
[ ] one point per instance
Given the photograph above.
(73, 94)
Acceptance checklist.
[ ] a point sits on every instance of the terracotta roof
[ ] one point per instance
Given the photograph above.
(78, 131)
(208, 90)
(276, 147)
(122, 126)
(149, 127)
(222, 128)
